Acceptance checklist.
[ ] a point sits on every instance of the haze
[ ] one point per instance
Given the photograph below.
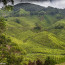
(54, 3)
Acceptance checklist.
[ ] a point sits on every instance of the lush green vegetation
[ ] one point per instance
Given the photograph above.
(32, 35)
(10, 52)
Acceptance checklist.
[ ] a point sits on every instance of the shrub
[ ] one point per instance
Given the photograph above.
(17, 21)
(8, 39)
(49, 61)
(14, 59)
(59, 27)
(2, 25)
(2, 39)
(38, 62)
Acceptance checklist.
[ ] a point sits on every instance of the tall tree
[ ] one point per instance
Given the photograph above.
(6, 1)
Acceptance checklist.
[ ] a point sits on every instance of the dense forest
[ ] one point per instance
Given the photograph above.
(32, 35)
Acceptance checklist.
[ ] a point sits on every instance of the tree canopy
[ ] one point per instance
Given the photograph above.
(7, 1)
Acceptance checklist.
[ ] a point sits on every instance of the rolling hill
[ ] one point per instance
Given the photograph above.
(39, 31)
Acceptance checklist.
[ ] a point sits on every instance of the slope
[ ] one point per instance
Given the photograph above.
(41, 35)
(37, 43)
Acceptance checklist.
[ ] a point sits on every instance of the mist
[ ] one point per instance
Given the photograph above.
(56, 4)
(53, 3)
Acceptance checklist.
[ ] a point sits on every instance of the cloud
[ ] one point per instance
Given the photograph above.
(46, 3)
(1, 5)
(55, 3)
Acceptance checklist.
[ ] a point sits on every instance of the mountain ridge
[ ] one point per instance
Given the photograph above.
(26, 6)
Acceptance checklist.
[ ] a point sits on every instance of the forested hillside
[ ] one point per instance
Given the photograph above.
(33, 32)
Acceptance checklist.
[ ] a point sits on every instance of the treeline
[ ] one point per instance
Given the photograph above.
(36, 9)
(26, 9)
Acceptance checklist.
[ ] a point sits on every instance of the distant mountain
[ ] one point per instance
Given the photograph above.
(28, 7)
(36, 9)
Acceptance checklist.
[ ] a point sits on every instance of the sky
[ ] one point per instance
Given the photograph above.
(54, 3)
(57, 4)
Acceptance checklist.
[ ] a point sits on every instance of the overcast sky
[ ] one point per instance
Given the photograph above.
(54, 3)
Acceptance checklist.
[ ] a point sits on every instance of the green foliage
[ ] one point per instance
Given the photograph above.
(34, 33)
(9, 53)
(49, 61)
(59, 16)
(14, 59)
(2, 39)
(41, 13)
(5, 13)
(38, 62)
(37, 28)
(40, 43)
(8, 7)
(59, 27)
(22, 12)
(17, 21)
(8, 39)
(2, 25)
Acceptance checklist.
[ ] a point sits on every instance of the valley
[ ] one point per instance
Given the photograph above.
(38, 31)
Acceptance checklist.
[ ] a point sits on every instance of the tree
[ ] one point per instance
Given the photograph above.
(6, 1)
(22, 12)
